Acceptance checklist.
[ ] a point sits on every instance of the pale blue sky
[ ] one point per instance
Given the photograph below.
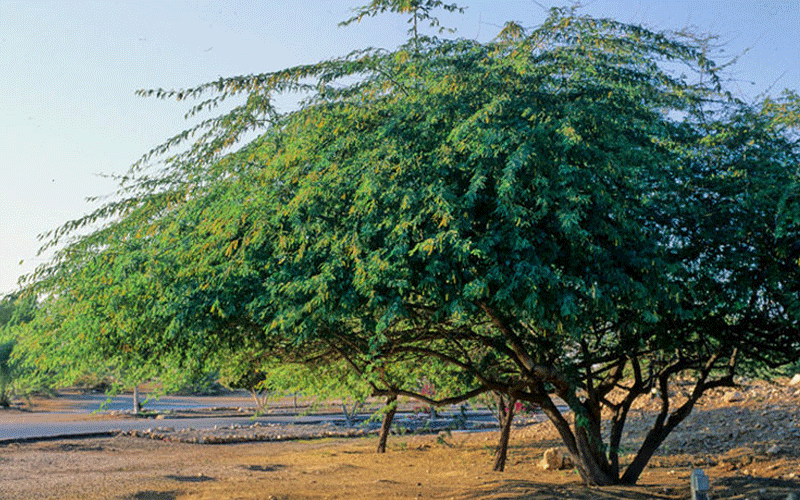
(68, 72)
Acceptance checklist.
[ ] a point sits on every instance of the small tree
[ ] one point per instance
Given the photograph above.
(246, 370)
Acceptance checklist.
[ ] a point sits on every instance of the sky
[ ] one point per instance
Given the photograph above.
(70, 119)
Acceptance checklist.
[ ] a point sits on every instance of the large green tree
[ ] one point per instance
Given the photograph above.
(557, 214)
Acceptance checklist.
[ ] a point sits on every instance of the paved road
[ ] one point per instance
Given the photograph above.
(38, 427)
(78, 418)
(93, 402)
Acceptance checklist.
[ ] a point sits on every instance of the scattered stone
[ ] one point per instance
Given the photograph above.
(795, 380)
(553, 459)
(774, 450)
(734, 397)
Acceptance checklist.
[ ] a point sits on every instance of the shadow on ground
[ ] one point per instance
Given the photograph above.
(735, 488)
(190, 479)
(531, 490)
(152, 495)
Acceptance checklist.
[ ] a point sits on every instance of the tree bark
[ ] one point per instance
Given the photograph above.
(386, 426)
(506, 417)
(348, 419)
(651, 443)
(137, 406)
(662, 427)
(592, 460)
(589, 437)
(579, 448)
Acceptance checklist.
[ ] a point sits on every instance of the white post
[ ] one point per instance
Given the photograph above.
(700, 485)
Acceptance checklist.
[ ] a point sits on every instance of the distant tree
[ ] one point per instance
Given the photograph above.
(15, 311)
(559, 212)
(6, 372)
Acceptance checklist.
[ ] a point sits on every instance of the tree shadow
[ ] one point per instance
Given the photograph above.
(263, 468)
(730, 488)
(754, 487)
(190, 479)
(532, 490)
(152, 495)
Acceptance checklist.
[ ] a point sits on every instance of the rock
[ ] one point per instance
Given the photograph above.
(795, 380)
(734, 397)
(552, 460)
(774, 450)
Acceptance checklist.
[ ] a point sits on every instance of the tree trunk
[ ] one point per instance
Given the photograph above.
(347, 419)
(5, 399)
(506, 414)
(386, 426)
(658, 433)
(579, 447)
(350, 414)
(645, 453)
(591, 459)
(260, 398)
(137, 406)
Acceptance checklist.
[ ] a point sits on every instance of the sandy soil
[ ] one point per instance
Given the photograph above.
(748, 444)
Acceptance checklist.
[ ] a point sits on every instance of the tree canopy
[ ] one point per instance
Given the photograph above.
(558, 213)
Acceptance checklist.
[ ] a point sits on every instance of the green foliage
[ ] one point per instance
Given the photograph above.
(6, 371)
(418, 10)
(15, 313)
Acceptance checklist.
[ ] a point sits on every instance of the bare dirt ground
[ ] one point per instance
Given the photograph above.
(747, 441)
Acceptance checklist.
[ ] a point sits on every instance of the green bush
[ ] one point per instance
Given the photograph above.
(6, 372)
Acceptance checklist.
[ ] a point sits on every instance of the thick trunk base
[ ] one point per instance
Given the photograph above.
(386, 426)
(506, 414)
